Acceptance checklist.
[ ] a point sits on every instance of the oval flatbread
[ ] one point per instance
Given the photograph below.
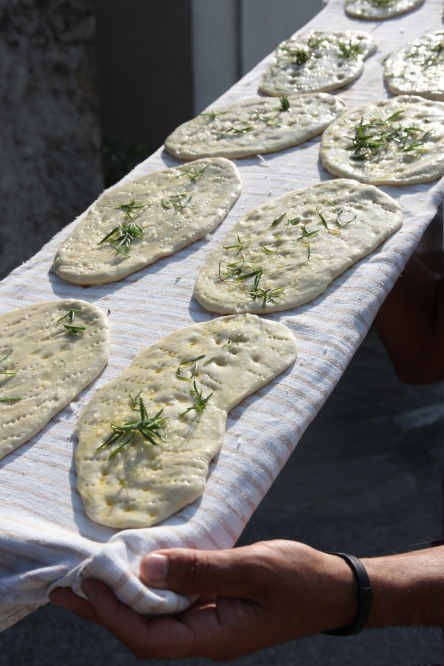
(45, 363)
(137, 223)
(378, 10)
(418, 68)
(317, 61)
(256, 125)
(399, 141)
(213, 365)
(287, 251)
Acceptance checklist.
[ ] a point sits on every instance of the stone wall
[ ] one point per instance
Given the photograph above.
(50, 167)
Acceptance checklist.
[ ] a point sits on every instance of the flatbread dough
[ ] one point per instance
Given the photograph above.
(317, 61)
(415, 155)
(179, 206)
(418, 68)
(378, 10)
(255, 125)
(144, 484)
(298, 255)
(51, 365)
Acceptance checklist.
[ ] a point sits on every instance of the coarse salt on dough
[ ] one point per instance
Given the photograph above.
(269, 128)
(145, 484)
(374, 11)
(418, 67)
(51, 365)
(324, 70)
(166, 228)
(391, 167)
(284, 259)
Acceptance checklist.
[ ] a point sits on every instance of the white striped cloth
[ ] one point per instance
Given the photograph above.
(46, 539)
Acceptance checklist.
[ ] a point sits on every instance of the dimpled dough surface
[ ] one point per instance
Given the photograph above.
(417, 68)
(288, 266)
(144, 484)
(51, 365)
(377, 11)
(272, 129)
(391, 167)
(166, 228)
(324, 69)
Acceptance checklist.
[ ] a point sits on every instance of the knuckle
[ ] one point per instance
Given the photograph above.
(196, 573)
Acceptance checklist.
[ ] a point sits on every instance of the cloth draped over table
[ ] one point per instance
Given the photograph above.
(46, 539)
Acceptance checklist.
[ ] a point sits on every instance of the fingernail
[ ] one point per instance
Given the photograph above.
(156, 568)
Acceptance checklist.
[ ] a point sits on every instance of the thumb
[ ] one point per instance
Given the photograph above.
(224, 572)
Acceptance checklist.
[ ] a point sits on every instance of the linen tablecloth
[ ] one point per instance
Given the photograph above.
(46, 539)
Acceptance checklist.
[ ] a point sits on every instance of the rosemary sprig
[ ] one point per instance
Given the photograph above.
(129, 208)
(230, 343)
(209, 360)
(267, 295)
(3, 358)
(148, 428)
(277, 220)
(285, 104)
(189, 361)
(309, 249)
(372, 139)
(239, 247)
(70, 314)
(306, 233)
(298, 55)
(72, 330)
(316, 39)
(193, 174)
(176, 201)
(269, 121)
(237, 267)
(343, 224)
(213, 114)
(200, 403)
(381, 3)
(9, 398)
(349, 52)
(122, 235)
(240, 130)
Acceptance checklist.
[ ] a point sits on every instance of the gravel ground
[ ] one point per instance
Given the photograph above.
(365, 479)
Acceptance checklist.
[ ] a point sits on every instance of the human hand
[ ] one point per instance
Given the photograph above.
(250, 598)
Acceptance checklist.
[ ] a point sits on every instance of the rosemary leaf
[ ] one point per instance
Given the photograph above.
(267, 250)
(277, 220)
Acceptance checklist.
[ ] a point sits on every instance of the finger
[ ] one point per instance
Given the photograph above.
(65, 597)
(165, 638)
(225, 572)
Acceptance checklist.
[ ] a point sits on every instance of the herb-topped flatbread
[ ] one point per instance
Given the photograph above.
(137, 223)
(49, 352)
(418, 68)
(399, 141)
(146, 439)
(256, 125)
(378, 10)
(287, 251)
(317, 61)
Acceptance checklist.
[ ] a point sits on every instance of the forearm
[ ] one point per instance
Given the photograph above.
(411, 324)
(407, 589)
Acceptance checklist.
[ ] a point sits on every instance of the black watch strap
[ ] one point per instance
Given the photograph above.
(365, 597)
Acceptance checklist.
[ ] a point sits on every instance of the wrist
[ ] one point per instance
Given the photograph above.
(339, 592)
